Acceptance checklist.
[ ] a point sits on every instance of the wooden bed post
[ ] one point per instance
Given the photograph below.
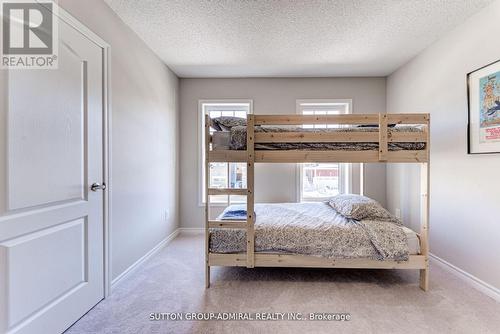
(250, 192)
(382, 137)
(424, 214)
(207, 199)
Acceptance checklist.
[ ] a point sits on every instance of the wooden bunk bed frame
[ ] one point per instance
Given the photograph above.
(250, 259)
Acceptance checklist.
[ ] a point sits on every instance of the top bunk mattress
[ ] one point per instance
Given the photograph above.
(235, 138)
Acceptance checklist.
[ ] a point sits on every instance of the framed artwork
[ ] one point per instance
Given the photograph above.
(483, 86)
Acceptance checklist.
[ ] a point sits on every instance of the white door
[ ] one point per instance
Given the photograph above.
(51, 223)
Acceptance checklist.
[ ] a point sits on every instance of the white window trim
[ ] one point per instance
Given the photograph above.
(201, 148)
(344, 187)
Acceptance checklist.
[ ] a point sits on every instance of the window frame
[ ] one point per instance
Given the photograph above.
(201, 142)
(345, 170)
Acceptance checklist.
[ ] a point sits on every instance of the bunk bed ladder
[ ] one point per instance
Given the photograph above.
(249, 192)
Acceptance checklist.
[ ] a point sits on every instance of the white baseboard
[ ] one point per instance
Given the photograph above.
(192, 230)
(143, 259)
(472, 280)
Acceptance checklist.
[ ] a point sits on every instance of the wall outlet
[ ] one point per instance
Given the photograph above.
(398, 213)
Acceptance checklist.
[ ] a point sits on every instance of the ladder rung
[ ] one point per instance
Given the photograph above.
(240, 224)
(227, 191)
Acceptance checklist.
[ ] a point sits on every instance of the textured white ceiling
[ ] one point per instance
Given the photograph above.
(257, 38)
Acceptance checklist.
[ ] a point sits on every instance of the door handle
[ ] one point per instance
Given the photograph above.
(97, 186)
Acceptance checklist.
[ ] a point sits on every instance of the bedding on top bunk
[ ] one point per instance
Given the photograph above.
(317, 229)
(231, 134)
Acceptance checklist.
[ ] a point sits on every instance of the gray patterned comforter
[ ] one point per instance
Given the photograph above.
(315, 229)
(239, 139)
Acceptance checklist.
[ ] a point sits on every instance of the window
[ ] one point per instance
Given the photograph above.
(222, 174)
(321, 181)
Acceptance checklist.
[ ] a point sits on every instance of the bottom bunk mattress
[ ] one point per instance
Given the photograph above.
(317, 229)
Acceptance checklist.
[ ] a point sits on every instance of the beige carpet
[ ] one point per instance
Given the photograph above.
(379, 301)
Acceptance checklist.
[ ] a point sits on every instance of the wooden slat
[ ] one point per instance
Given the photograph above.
(227, 224)
(408, 118)
(293, 260)
(338, 137)
(315, 119)
(422, 118)
(293, 156)
(407, 137)
(382, 137)
(227, 156)
(227, 191)
(228, 260)
(316, 137)
(283, 260)
(407, 156)
(250, 190)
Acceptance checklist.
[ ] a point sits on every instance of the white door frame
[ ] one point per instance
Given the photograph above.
(84, 30)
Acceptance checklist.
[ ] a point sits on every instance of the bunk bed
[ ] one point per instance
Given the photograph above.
(356, 138)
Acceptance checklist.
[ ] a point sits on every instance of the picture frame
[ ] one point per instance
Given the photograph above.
(483, 99)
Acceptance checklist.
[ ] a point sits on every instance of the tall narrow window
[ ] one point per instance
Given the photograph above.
(222, 174)
(319, 181)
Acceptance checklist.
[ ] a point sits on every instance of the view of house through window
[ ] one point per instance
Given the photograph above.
(320, 181)
(222, 174)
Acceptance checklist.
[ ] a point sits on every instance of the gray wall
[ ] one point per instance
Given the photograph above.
(273, 183)
(464, 188)
(145, 116)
